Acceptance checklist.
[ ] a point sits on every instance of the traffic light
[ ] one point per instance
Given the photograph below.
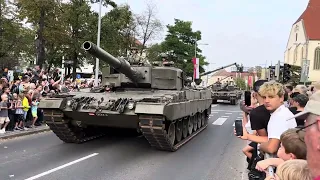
(272, 72)
(286, 72)
(240, 69)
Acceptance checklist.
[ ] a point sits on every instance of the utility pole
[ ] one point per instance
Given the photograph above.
(277, 69)
(96, 80)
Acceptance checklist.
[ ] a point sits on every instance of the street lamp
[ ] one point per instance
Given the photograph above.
(96, 79)
(195, 48)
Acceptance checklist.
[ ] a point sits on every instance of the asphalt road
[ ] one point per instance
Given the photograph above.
(215, 154)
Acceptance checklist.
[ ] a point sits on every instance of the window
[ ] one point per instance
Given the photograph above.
(316, 63)
(295, 57)
(296, 36)
(302, 49)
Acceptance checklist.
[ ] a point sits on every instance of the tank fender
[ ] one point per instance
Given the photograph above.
(53, 103)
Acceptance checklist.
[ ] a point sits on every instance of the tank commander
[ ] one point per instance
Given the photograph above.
(165, 61)
(134, 57)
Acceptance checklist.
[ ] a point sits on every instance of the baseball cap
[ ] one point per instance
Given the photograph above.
(313, 106)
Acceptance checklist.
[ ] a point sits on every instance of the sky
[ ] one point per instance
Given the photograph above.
(251, 32)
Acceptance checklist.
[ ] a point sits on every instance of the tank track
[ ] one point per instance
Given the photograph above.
(154, 129)
(65, 131)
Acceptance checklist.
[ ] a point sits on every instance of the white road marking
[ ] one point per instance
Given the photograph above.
(219, 121)
(211, 115)
(233, 124)
(61, 167)
(224, 116)
(239, 118)
(214, 105)
(225, 111)
(214, 112)
(228, 113)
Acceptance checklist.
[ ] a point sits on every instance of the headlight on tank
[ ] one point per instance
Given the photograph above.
(69, 102)
(130, 105)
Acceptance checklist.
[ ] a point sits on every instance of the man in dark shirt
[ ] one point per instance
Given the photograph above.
(259, 117)
(298, 104)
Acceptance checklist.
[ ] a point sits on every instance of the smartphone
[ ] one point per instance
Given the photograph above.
(238, 127)
(247, 98)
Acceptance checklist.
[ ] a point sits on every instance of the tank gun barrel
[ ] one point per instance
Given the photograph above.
(223, 67)
(120, 65)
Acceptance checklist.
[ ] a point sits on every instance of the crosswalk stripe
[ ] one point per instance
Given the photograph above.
(224, 116)
(214, 112)
(215, 105)
(233, 124)
(219, 121)
(225, 111)
(228, 113)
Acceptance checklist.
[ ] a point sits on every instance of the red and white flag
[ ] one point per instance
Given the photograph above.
(195, 62)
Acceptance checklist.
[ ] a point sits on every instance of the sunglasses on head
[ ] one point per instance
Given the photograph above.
(303, 128)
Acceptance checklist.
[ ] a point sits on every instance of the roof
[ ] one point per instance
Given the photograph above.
(310, 19)
(222, 72)
(244, 74)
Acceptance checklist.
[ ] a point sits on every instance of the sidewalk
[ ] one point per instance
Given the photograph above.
(13, 134)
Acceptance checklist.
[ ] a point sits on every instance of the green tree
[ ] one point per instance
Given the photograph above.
(258, 70)
(14, 38)
(181, 40)
(154, 51)
(114, 25)
(240, 83)
(40, 14)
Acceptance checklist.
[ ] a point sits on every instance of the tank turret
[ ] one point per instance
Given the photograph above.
(119, 65)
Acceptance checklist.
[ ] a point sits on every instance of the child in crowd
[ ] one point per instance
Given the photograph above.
(34, 111)
(296, 169)
(26, 106)
(19, 114)
(292, 147)
(4, 118)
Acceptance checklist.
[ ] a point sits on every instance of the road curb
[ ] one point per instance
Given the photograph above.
(24, 133)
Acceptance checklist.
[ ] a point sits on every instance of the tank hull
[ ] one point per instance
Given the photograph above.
(230, 96)
(166, 125)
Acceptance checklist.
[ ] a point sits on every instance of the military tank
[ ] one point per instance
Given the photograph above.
(151, 100)
(228, 92)
(224, 92)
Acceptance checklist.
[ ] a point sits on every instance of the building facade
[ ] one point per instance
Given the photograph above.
(304, 41)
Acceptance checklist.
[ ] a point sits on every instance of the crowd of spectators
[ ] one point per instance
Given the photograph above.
(283, 121)
(20, 98)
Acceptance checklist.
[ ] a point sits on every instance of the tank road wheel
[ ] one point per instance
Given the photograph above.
(233, 102)
(190, 125)
(199, 119)
(203, 116)
(185, 127)
(195, 122)
(171, 133)
(179, 129)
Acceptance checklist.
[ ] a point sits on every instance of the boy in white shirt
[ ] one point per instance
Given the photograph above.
(273, 93)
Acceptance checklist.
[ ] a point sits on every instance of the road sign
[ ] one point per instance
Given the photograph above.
(305, 71)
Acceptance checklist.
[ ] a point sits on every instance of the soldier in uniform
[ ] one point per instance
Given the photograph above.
(134, 57)
(165, 61)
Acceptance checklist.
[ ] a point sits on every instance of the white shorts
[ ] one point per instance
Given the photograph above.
(4, 119)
